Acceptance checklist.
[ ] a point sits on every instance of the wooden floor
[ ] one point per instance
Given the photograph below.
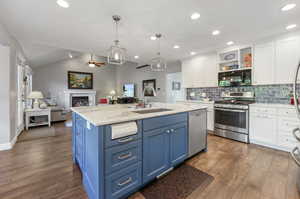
(43, 169)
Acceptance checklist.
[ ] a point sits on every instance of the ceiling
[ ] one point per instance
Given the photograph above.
(42, 27)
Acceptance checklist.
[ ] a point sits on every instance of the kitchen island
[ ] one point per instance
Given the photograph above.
(115, 166)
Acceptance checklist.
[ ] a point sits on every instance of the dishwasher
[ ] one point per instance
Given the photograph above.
(197, 131)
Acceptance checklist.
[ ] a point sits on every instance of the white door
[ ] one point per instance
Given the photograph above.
(175, 91)
(263, 68)
(263, 129)
(20, 99)
(287, 58)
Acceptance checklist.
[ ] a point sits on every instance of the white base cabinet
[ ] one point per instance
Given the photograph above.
(272, 126)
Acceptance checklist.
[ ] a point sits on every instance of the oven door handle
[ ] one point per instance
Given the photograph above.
(230, 110)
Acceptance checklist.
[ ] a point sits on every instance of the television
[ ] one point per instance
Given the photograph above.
(129, 90)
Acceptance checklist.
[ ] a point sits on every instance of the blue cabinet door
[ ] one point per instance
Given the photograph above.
(156, 152)
(178, 144)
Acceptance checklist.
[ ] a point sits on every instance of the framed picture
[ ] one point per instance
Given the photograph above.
(150, 83)
(80, 80)
(176, 86)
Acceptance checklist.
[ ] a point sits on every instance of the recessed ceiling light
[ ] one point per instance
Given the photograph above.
(193, 53)
(153, 38)
(195, 16)
(230, 43)
(176, 47)
(288, 7)
(63, 3)
(292, 26)
(216, 32)
(136, 57)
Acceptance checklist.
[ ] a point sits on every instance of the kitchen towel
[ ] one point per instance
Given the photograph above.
(123, 130)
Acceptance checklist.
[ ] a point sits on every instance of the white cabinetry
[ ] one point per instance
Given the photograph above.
(263, 123)
(272, 126)
(287, 58)
(275, 62)
(263, 69)
(200, 71)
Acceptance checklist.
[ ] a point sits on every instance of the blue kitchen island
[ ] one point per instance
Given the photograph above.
(116, 168)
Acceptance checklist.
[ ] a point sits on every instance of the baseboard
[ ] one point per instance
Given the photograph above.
(257, 142)
(9, 145)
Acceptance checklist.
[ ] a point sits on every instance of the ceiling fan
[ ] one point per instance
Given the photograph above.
(93, 63)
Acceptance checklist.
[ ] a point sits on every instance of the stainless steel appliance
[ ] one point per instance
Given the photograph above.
(295, 153)
(197, 131)
(235, 78)
(232, 115)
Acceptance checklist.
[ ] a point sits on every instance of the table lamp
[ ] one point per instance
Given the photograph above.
(36, 95)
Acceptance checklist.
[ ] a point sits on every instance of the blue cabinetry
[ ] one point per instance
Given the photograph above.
(155, 153)
(164, 147)
(114, 169)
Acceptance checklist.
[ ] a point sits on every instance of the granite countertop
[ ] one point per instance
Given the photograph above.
(111, 114)
(272, 105)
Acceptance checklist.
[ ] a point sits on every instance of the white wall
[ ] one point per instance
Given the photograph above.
(52, 79)
(4, 95)
(129, 74)
(8, 106)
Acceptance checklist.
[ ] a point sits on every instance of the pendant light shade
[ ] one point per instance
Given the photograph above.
(158, 64)
(116, 54)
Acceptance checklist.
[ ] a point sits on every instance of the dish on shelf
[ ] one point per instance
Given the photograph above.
(229, 57)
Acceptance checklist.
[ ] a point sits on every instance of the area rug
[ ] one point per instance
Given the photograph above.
(178, 184)
(37, 133)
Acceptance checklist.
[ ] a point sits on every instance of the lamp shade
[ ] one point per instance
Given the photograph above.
(112, 92)
(35, 95)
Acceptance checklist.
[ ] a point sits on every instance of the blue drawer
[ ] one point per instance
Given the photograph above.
(163, 121)
(120, 141)
(122, 156)
(123, 182)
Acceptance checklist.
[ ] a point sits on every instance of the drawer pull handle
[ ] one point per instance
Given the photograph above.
(125, 182)
(125, 156)
(125, 140)
(295, 134)
(294, 155)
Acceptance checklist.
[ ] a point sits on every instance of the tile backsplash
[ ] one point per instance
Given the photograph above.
(263, 93)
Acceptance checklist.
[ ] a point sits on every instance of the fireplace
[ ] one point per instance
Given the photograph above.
(74, 98)
(80, 101)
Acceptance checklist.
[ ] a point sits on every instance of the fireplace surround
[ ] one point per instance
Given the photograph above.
(79, 98)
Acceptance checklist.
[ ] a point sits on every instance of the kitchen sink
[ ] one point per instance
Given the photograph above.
(154, 110)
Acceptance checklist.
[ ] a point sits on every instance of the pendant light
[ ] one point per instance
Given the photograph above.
(116, 54)
(158, 63)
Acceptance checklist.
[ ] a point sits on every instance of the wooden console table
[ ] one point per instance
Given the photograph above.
(36, 113)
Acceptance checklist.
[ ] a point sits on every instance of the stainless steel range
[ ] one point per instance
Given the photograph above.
(232, 115)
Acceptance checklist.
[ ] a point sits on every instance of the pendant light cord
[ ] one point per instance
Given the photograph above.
(117, 32)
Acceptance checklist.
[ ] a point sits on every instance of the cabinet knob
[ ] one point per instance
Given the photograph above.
(168, 131)
(172, 130)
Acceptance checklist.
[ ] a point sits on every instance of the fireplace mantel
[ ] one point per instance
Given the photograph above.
(79, 93)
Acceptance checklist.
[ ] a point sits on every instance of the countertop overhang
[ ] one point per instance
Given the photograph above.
(112, 114)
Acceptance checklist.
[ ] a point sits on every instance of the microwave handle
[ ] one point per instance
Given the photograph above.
(230, 110)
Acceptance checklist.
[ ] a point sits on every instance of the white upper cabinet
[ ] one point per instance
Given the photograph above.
(263, 67)
(286, 59)
(200, 71)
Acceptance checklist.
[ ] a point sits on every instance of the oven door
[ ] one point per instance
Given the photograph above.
(232, 119)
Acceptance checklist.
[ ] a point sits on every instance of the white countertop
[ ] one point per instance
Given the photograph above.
(110, 114)
(197, 101)
(289, 106)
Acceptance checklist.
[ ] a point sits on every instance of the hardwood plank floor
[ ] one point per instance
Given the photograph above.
(43, 169)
